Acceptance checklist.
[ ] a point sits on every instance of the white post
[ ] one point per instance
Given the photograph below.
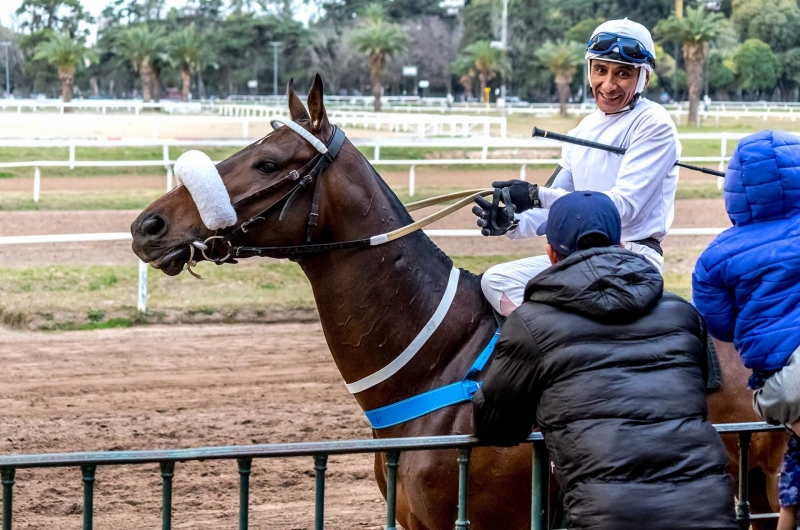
(37, 181)
(723, 151)
(377, 155)
(523, 173)
(165, 154)
(141, 303)
(72, 156)
(245, 129)
(169, 178)
(411, 179)
(484, 152)
(503, 127)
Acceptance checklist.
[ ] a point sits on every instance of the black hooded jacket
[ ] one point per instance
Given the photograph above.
(612, 372)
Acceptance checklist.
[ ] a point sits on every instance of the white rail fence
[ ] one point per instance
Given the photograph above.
(141, 290)
(484, 144)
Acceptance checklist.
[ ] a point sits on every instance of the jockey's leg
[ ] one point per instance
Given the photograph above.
(652, 256)
(504, 284)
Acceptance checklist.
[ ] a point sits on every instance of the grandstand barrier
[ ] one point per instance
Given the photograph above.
(88, 462)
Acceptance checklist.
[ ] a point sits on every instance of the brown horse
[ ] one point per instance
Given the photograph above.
(373, 301)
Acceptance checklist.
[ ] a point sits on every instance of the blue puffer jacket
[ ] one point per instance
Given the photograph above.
(747, 282)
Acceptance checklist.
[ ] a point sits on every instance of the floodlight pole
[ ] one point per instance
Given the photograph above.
(275, 45)
(7, 45)
(504, 38)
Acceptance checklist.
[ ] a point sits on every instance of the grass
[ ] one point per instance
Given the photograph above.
(69, 297)
(79, 200)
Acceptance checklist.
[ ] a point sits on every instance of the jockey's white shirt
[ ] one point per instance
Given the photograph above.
(641, 183)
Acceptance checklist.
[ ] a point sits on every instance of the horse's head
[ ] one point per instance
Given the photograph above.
(255, 178)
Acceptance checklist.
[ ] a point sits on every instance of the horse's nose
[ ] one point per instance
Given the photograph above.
(153, 226)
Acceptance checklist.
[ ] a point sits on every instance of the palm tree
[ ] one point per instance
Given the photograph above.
(188, 52)
(562, 59)
(65, 53)
(464, 68)
(378, 39)
(696, 31)
(486, 61)
(142, 46)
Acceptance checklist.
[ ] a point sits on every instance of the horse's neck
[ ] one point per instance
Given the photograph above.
(373, 303)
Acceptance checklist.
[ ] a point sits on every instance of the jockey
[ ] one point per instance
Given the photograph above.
(641, 183)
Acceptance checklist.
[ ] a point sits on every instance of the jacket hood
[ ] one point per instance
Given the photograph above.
(763, 180)
(603, 284)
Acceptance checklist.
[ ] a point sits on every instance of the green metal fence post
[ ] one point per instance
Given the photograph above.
(540, 475)
(320, 466)
(743, 506)
(244, 492)
(462, 523)
(392, 461)
(7, 475)
(87, 472)
(167, 472)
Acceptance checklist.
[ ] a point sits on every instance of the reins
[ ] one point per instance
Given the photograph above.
(305, 176)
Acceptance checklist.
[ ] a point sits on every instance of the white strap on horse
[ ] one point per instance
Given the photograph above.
(419, 341)
(310, 138)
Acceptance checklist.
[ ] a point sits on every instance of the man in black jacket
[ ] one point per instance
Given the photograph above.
(611, 369)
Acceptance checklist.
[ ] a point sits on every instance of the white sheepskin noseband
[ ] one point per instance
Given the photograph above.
(200, 176)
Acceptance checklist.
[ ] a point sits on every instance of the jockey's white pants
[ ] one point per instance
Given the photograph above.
(504, 284)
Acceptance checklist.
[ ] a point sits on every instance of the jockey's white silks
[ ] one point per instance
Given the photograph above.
(200, 176)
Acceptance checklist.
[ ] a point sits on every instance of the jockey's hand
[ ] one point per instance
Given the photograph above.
(524, 195)
(483, 210)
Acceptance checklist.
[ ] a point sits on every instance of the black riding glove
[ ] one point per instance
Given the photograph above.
(503, 219)
(524, 196)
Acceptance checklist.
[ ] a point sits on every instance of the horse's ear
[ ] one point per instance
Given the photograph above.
(319, 118)
(296, 109)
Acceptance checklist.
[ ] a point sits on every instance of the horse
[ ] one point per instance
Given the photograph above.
(373, 301)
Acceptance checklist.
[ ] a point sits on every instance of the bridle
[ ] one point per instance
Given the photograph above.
(310, 173)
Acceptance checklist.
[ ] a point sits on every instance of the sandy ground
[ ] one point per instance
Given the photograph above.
(173, 387)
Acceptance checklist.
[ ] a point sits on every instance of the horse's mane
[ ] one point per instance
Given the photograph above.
(422, 243)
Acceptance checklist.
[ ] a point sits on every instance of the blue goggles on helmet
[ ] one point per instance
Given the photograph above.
(626, 48)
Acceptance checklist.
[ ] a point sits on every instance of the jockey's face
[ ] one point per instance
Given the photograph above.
(613, 84)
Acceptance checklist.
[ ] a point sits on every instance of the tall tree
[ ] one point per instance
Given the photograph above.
(142, 46)
(486, 60)
(65, 53)
(757, 67)
(562, 60)
(378, 39)
(58, 15)
(776, 22)
(696, 31)
(188, 52)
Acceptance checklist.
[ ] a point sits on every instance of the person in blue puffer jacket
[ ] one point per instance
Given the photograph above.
(747, 286)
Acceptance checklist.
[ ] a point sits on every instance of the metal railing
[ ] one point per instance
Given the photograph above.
(320, 451)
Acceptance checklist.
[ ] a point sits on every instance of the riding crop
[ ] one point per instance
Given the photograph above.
(611, 149)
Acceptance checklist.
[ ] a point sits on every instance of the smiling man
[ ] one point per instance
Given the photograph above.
(620, 58)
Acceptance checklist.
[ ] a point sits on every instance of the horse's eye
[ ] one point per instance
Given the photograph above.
(266, 167)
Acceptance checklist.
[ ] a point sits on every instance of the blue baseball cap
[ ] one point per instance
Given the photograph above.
(578, 214)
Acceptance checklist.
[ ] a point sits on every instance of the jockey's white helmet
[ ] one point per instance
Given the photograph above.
(610, 42)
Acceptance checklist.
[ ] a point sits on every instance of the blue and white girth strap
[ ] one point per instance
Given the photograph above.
(438, 398)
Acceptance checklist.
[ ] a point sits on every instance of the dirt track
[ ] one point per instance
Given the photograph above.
(181, 386)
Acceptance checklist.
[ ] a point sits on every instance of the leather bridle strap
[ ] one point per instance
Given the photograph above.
(317, 165)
